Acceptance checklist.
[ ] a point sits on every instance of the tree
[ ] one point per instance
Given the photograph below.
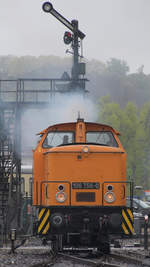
(129, 129)
(126, 121)
(144, 140)
(109, 112)
(117, 66)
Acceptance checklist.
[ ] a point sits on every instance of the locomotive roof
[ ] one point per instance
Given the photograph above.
(73, 124)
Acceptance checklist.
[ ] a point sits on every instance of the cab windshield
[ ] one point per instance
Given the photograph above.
(101, 138)
(54, 139)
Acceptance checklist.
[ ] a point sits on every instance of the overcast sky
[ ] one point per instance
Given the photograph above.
(113, 28)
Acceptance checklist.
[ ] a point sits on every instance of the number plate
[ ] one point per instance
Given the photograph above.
(85, 185)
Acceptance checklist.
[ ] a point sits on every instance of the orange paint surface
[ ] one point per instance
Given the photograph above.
(80, 162)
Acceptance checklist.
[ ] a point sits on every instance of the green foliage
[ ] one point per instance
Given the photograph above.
(134, 125)
(109, 112)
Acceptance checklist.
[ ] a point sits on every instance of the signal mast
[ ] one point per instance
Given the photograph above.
(73, 39)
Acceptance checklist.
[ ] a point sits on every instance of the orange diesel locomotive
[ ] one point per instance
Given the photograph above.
(80, 185)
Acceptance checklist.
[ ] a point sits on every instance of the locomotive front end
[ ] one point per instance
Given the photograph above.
(80, 184)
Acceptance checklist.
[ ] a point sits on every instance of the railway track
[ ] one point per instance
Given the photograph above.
(32, 254)
(112, 260)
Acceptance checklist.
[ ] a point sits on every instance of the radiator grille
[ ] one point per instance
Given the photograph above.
(85, 197)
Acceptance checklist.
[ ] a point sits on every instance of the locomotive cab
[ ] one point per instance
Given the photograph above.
(80, 185)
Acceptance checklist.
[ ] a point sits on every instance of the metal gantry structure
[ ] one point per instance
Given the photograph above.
(17, 96)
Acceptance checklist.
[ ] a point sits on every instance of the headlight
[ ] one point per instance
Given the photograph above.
(61, 197)
(85, 149)
(109, 197)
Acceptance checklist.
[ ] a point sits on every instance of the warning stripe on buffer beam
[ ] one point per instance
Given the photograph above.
(127, 221)
(43, 221)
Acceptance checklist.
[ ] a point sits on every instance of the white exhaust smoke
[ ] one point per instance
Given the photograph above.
(64, 108)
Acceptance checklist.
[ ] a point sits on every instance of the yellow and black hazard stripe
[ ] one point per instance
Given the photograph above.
(43, 221)
(127, 222)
